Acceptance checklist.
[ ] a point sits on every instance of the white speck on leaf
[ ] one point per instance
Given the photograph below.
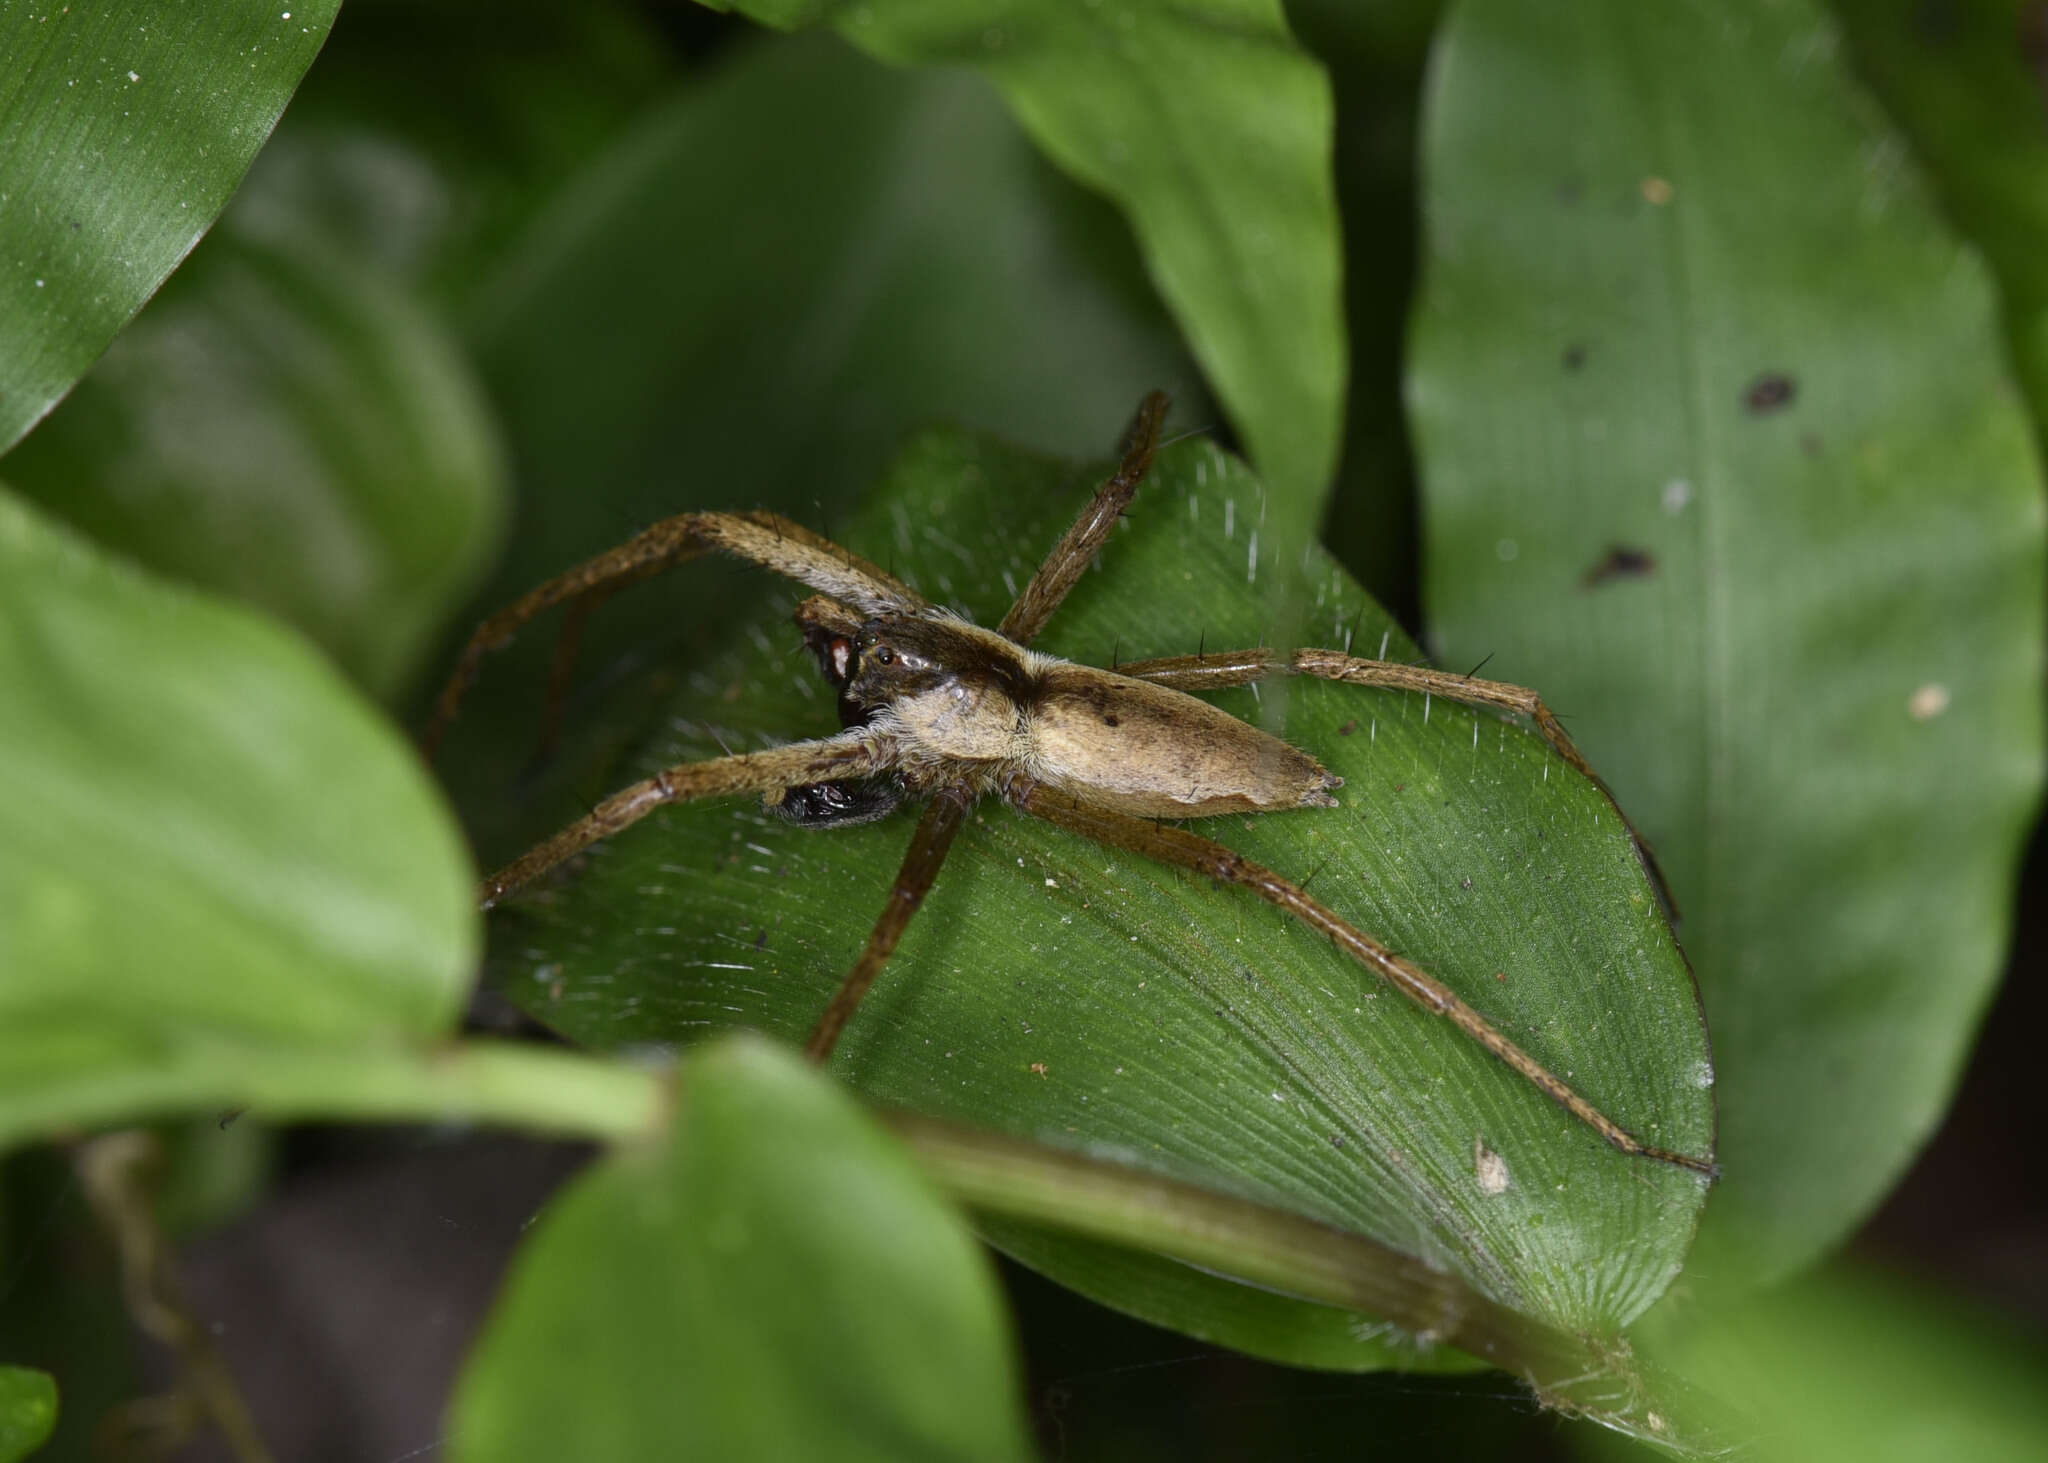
(1929, 701)
(1489, 1168)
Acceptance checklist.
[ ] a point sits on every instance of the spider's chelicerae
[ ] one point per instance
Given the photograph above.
(937, 708)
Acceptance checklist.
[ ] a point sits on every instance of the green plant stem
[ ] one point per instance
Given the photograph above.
(512, 1084)
(1594, 1377)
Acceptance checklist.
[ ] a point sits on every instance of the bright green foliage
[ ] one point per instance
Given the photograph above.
(1720, 450)
(28, 1411)
(212, 855)
(772, 1279)
(123, 129)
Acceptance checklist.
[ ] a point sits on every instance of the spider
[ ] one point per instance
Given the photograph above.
(936, 708)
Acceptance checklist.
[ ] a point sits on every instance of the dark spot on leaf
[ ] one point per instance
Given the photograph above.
(1336, 1140)
(1810, 444)
(1501, 975)
(1571, 190)
(1619, 562)
(761, 940)
(1347, 729)
(1574, 357)
(1769, 392)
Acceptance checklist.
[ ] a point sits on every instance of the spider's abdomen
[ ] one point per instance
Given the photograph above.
(1154, 753)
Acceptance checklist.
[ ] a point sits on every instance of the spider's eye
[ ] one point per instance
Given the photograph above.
(885, 655)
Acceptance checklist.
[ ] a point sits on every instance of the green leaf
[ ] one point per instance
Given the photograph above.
(123, 129)
(1856, 1366)
(283, 426)
(211, 853)
(1721, 454)
(1055, 989)
(1212, 132)
(28, 1411)
(1963, 81)
(774, 1279)
(752, 299)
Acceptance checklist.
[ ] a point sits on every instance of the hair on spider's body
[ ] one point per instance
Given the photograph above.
(935, 707)
(968, 706)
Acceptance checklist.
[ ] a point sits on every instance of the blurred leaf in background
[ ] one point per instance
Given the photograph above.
(1210, 129)
(1852, 1365)
(286, 427)
(1967, 82)
(28, 1411)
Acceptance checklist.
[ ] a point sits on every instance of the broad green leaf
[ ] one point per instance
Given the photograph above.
(1855, 1366)
(772, 1279)
(1211, 131)
(1963, 81)
(283, 426)
(28, 1411)
(123, 129)
(752, 299)
(1719, 452)
(1054, 989)
(211, 853)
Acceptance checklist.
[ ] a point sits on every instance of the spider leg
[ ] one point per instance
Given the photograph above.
(928, 848)
(1186, 850)
(1076, 550)
(1216, 670)
(855, 753)
(766, 539)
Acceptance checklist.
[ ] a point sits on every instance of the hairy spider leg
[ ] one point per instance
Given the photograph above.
(1178, 847)
(1078, 546)
(1219, 669)
(856, 753)
(767, 539)
(1056, 575)
(928, 848)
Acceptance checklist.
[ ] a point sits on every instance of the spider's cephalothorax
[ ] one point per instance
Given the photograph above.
(936, 708)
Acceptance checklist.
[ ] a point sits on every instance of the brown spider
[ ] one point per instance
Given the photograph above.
(938, 708)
